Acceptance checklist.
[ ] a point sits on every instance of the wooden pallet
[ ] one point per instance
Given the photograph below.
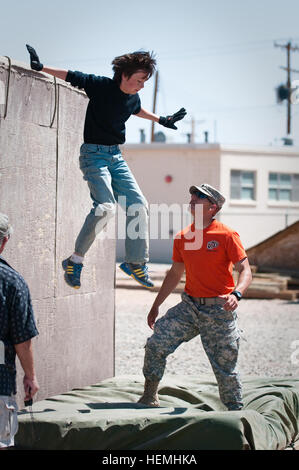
(263, 286)
(273, 286)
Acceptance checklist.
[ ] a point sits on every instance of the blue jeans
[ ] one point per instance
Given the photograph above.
(109, 178)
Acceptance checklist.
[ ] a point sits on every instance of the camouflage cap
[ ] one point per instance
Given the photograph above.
(211, 192)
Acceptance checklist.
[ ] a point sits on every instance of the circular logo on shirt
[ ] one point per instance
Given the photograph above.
(211, 245)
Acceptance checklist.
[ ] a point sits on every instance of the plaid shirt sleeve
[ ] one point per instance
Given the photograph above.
(22, 322)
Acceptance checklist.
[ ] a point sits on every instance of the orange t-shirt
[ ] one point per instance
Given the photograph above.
(209, 256)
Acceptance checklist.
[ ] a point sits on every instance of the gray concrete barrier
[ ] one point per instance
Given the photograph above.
(43, 193)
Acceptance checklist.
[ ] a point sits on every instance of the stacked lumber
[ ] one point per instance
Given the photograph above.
(270, 285)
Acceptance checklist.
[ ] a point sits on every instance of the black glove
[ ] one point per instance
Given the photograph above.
(169, 121)
(34, 60)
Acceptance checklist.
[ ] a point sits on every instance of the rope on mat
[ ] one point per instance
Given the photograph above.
(56, 184)
(7, 86)
(7, 93)
(55, 105)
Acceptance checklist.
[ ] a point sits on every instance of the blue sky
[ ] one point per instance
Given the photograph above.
(215, 58)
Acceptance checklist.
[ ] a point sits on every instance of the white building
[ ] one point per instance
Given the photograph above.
(261, 186)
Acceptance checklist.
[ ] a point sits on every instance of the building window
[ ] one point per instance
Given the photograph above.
(283, 187)
(242, 185)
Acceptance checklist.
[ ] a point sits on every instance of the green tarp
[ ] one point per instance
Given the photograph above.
(191, 417)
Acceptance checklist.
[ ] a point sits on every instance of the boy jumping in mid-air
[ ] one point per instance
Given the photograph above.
(111, 103)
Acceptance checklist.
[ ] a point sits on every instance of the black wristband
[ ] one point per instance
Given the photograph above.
(237, 294)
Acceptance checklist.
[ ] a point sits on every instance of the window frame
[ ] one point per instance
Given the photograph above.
(293, 187)
(241, 186)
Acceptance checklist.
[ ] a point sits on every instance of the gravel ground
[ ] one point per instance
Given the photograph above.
(270, 346)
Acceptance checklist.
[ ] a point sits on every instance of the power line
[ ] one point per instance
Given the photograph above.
(249, 46)
(211, 53)
(241, 108)
(225, 46)
(245, 47)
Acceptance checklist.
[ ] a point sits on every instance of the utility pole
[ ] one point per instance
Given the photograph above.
(288, 48)
(154, 104)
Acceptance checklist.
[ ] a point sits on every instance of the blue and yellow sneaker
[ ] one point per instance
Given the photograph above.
(72, 273)
(138, 272)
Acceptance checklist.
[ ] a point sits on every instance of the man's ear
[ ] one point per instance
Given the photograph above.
(214, 208)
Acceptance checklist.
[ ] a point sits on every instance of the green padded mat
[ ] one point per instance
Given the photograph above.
(105, 416)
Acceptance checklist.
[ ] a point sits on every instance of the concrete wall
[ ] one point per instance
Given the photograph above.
(43, 193)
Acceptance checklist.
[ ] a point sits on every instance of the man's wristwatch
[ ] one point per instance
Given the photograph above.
(237, 294)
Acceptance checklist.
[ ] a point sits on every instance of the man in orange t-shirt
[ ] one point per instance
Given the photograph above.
(207, 250)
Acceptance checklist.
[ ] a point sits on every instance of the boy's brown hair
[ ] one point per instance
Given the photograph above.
(133, 62)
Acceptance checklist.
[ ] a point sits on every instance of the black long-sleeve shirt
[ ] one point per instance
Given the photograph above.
(108, 108)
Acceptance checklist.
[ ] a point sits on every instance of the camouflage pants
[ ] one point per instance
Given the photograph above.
(219, 336)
